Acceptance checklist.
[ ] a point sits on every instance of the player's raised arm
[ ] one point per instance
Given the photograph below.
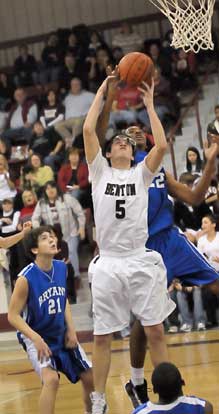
(155, 156)
(91, 143)
(103, 120)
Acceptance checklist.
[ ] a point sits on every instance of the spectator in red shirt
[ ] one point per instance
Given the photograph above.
(127, 101)
(73, 177)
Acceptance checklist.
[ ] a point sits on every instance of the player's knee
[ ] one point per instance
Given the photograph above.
(155, 333)
(51, 380)
(103, 341)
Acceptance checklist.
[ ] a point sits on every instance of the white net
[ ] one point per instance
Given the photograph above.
(191, 21)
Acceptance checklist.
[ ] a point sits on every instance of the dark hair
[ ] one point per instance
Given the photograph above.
(216, 107)
(52, 184)
(167, 381)
(108, 146)
(188, 178)
(198, 161)
(213, 219)
(31, 239)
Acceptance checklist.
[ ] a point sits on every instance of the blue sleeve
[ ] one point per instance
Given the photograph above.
(139, 408)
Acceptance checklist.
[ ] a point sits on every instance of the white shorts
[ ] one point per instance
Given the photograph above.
(124, 284)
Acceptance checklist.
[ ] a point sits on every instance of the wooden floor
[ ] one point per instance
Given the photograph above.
(196, 354)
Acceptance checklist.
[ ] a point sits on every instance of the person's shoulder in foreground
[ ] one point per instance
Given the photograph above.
(167, 383)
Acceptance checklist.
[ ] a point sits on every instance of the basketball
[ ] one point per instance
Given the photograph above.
(136, 67)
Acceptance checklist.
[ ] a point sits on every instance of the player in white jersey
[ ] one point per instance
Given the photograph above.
(127, 276)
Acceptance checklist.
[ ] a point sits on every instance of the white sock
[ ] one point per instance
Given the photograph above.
(137, 376)
(98, 395)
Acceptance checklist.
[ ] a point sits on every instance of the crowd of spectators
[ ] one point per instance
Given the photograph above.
(43, 105)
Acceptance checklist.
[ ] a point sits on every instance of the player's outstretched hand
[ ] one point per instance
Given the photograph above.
(71, 340)
(211, 151)
(147, 93)
(42, 348)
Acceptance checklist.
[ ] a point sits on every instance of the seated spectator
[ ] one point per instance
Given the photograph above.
(128, 101)
(160, 59)
(22, 116)
(127, 39)
(54, 208)
(73, 177)
(212, 196)
(35, 175)
(194, 163)
(162, 99)
(77, 104)
(51, 56)
(5, 149)
(25, 68)
(96, 42)
(72, 69)
(117, 54)
(97, 66)
(29, 199)
(6, 91)
(7, 187)
(9, 218)
(48, 144)
(73, 46)
(208, 243)
(190, 295)
(52, 112)
(213, 127)
(167, 383)
(183, 70)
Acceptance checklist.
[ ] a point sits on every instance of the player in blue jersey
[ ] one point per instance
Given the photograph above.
(167, 383)
(46, 329)
(180, 257)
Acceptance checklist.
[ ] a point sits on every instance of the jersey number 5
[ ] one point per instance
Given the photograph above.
(120, 209)
(54, 306)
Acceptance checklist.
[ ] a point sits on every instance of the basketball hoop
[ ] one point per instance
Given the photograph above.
(191, 21)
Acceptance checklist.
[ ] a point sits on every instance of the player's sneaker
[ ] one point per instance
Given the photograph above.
(99, 405)
(138, 394)
(186, 328)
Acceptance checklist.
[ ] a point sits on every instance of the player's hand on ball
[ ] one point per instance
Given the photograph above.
(42, 348)
(103, 89)
(147, 93)
(71, 340)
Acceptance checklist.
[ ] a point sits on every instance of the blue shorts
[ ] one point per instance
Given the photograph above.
(181, 258)
(71, 362)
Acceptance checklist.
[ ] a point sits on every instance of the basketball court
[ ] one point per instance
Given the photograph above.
(196, 355)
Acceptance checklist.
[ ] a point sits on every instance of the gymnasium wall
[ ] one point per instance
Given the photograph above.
(22, 18)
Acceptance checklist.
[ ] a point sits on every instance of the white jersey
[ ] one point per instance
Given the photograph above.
(120, 199)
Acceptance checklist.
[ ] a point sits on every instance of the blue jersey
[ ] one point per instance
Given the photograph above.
(160, 208)
(183, 405)
(45, 308)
